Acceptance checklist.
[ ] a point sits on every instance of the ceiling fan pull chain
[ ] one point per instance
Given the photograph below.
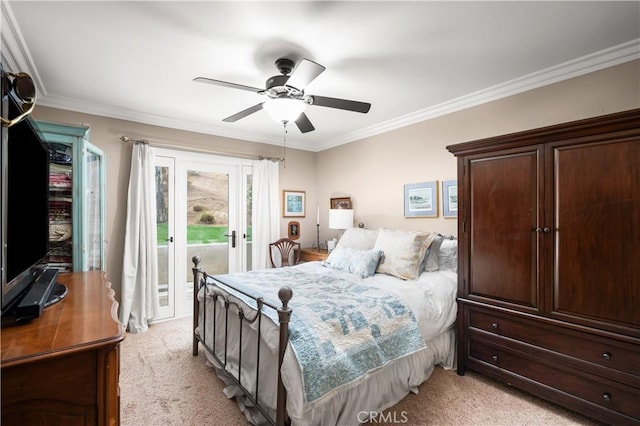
(284, 146)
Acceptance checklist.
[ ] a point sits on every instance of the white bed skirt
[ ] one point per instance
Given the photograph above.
(350, 404)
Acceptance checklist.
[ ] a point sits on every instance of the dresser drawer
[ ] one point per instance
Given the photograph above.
(584, 346)
(604, 393)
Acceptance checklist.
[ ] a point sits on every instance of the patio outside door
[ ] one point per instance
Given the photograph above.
(202, 210)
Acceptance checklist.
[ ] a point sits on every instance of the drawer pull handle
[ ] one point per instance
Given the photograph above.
(495, 358)
(607, 356)
(607, 397)
(494, 325)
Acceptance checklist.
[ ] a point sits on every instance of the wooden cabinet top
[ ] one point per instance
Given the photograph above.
(594, 128)
(86, 318)
(309, 254)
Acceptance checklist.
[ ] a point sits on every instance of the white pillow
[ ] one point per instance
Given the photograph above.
(448, 255)
(403, 252)
(358, 238)
(361, 262)
(430, 262)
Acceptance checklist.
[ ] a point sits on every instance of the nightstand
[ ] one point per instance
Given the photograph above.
(309, 254)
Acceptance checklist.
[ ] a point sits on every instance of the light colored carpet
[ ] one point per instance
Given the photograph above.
(161, 383)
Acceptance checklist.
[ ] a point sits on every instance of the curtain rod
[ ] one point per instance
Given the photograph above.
(200, 150)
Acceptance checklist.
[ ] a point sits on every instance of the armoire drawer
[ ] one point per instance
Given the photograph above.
(607, 394)
(605, 352)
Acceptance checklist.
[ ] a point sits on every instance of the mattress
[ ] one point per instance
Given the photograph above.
(431, 301)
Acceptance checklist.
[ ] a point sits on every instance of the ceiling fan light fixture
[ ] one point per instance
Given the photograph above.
(284, 110)
(286, 99)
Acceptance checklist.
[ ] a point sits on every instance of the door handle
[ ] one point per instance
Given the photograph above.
(170, 239)
(545, 230)
(233, 238)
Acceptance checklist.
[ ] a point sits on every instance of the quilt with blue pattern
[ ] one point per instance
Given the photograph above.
(340, 327)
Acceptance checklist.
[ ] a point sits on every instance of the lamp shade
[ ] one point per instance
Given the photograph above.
(284, 109)
(340, 218)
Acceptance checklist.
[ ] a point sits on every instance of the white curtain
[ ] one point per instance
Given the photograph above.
(265, 217)
(139, 301)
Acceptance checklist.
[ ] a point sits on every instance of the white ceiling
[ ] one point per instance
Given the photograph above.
(414, 60)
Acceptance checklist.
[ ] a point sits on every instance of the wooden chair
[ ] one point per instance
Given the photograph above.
(284, 246)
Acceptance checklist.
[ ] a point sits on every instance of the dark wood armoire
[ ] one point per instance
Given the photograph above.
(549, 263)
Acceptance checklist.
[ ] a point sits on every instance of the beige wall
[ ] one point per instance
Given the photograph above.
(297, 173)
(372, 171)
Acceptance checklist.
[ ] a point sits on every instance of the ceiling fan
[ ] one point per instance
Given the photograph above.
(286, 97)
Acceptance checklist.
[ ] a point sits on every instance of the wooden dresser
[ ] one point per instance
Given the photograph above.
(549, 263)
(63, 367)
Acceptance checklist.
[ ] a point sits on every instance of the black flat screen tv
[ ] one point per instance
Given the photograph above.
(25, 210)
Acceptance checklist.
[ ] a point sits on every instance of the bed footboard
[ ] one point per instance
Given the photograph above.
(218, 290)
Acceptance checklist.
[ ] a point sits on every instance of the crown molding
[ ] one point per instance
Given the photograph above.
(135, 116)
(16, 56)
(615, 55)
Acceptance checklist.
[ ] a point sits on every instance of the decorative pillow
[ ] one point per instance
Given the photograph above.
(358, 238)
(403, 252)
(430, 262)
(448, 255)
(361, 262)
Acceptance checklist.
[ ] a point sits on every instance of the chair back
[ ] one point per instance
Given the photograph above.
(285, 247)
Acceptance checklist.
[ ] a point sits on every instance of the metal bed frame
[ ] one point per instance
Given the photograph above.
(216, 291)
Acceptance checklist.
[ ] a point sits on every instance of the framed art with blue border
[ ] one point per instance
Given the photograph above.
(421, 199)
(293, 203)
(450, 198)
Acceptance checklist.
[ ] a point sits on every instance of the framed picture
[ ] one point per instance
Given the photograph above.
(450, 198)
(341, 203)
(294, 230)
(293, 203)
(421, 199)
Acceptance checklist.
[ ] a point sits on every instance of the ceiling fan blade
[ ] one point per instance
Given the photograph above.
(226, 84)
(304, 124)
(303, 74)
(244, 113)
(356, 106)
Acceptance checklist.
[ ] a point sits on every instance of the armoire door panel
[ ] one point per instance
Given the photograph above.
(504, 204)
(597, 231)
(576, 186)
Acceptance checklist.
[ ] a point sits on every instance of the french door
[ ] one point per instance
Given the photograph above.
(203, 209)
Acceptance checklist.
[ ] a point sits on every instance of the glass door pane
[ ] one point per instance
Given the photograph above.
(93, 220)
(248, 191)
(210, 225)
(165, 196)
(207, 224)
